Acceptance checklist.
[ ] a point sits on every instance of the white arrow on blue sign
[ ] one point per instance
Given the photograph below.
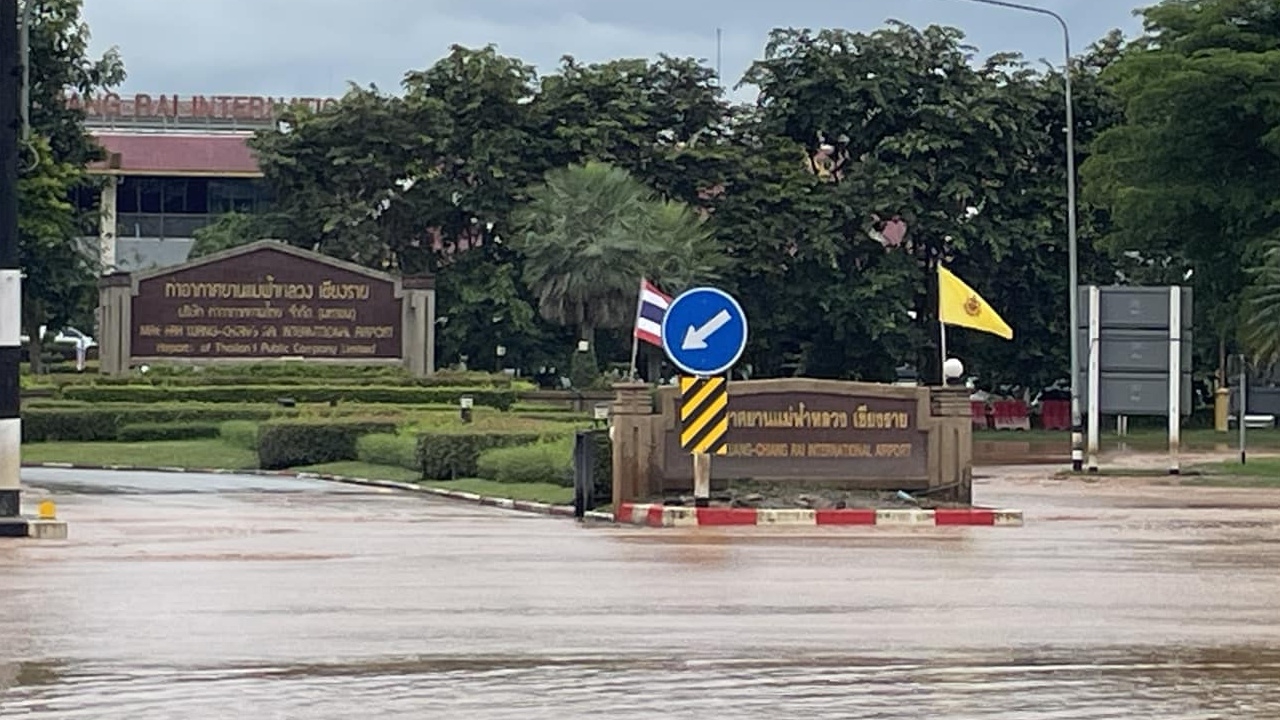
(704, 331)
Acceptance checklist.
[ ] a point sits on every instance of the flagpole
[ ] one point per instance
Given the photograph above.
(942, 336)
(635, 339)
(942, 327)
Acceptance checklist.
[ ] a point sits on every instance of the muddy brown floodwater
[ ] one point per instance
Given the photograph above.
(211, 598)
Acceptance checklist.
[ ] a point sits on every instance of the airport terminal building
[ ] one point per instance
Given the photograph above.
(179, 162)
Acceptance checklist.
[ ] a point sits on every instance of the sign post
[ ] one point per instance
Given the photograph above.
(1244, 397)
(1175, 379)
(1136, 350)
(704, 333)
(1094, 422)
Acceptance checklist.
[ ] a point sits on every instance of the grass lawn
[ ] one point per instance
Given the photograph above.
(364, 471)
(204, 454)
(534, 492)
(215, 454)
(1142, 439)
(1258, 472)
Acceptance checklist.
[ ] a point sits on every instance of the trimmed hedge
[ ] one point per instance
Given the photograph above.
(102, 423)
(240, 433)
(449, 456)
(325, 371)
(392, 450)
(158, 432)
(387, 395)
(201, 380)
(544, 462)
(286, 444)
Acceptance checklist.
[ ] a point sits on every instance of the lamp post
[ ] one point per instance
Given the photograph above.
(1077, 429)
(24, 56)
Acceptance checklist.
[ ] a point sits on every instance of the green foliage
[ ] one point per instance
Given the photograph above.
(545, 462)
(448, 456)
(390, 395)
(240, 433)
(1189, 177)
(590, 232)
(387, 449)
(540, 202)
(103, 422)
(462, 380)
(59, 271)
(286, 444)
(158, 432)
(229, 231)
(584, 368)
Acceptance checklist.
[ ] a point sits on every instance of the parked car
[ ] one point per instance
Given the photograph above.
(66, 336)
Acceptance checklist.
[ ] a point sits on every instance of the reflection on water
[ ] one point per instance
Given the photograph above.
(1080, 684)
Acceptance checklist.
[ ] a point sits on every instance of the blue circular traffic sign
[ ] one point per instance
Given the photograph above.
(704, 331)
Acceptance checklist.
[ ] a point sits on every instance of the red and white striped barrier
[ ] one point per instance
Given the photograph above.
(653, 515)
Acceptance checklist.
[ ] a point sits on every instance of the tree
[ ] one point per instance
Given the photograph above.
(59, 270)
(902, 127)
(591, 232)
(1189, 177)
(231, 231)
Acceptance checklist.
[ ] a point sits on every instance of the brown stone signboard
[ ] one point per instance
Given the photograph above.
(266, 304)
(816, 436)
(811, 432)
(268, 301)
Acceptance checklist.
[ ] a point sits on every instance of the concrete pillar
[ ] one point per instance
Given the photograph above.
(952, 461)
(115, 331)
(418, 322)
(107, 226)
(635, 440)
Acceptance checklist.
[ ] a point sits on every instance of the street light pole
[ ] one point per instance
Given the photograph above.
(24, 56)
(1073, 260)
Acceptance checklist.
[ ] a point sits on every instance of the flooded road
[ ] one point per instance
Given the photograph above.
(193, 597)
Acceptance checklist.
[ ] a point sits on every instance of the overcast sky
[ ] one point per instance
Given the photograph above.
(313, 47)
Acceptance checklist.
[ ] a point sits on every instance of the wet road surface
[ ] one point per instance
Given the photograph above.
(202, 597)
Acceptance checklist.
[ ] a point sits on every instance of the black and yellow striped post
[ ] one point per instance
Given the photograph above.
(704, 425)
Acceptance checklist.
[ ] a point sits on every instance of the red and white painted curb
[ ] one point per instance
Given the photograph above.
(673, 516)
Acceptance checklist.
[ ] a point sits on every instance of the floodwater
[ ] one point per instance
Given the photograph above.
(212, 597)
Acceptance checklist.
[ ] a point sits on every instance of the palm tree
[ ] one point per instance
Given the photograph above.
(590, 232)
(1260, 324)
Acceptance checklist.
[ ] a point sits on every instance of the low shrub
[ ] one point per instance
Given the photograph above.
(102, 422)
(286, 444)
(501, 399)
(453, 455)
(158, 432)
(544, 462)
(385, 449)
(240, 433)
(147, 380)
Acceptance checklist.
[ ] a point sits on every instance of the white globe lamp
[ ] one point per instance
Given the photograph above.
(952, 369)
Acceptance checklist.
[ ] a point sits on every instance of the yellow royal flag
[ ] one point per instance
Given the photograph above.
(959, 305)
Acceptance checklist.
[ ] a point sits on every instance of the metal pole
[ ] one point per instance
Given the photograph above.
(1175, 379)
(1240, 412)
(719, 77)
(24, 56)
(11, 523)
(1077, 437)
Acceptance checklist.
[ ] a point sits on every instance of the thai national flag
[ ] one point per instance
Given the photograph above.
(653, 306)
